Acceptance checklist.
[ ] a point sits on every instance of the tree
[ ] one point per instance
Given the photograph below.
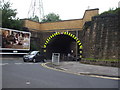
(35, 18)
(111, 11)
(9, 19)
(51, 17)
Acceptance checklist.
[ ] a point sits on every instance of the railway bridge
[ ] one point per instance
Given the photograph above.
(64, 37)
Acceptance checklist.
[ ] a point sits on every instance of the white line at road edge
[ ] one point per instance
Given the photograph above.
(105, 77)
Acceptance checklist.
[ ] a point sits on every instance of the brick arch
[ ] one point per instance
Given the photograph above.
(68, 34)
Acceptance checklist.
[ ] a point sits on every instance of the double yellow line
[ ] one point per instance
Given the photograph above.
(105, 77)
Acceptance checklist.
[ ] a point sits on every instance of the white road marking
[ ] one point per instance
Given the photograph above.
(28, 82)
(27, 63)
(18, 63)
(1, 64)
(34, 63)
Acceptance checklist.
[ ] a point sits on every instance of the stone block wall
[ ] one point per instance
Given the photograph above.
(101, 37)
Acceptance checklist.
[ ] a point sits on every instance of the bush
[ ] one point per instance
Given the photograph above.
(111, 11)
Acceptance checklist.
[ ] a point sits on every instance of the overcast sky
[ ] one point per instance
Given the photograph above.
(67, 9)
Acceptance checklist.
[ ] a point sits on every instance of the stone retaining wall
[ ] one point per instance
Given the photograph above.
(101, 37)
(103, 63)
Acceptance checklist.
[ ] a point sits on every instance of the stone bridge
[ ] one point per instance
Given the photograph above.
(64, 37)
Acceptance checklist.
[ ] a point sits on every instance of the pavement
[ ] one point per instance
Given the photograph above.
(86, 69)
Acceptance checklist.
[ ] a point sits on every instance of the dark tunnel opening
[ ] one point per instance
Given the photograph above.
(62, 44)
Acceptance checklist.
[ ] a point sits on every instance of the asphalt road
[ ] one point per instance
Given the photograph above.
(17, 74)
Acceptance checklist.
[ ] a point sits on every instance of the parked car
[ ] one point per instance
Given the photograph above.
(34, 56)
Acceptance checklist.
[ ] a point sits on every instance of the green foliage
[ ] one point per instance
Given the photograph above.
(117, 10)
(35, 18)
(51, 17)
(9, 19)
(102, 59)
(111, 11)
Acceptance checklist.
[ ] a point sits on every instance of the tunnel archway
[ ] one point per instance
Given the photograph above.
(64, 43)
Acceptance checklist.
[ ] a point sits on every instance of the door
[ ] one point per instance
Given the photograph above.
(37, 56)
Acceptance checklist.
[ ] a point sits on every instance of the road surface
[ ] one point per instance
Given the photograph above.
(17, 74)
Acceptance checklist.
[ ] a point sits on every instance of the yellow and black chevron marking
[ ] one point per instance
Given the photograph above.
(65, 33)
(104, 77)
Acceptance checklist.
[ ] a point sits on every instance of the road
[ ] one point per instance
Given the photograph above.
(17, 74)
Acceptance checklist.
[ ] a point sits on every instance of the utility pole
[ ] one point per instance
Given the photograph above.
(119, 4)
(36, 9)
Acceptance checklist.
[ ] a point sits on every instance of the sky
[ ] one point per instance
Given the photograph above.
(66, 9)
